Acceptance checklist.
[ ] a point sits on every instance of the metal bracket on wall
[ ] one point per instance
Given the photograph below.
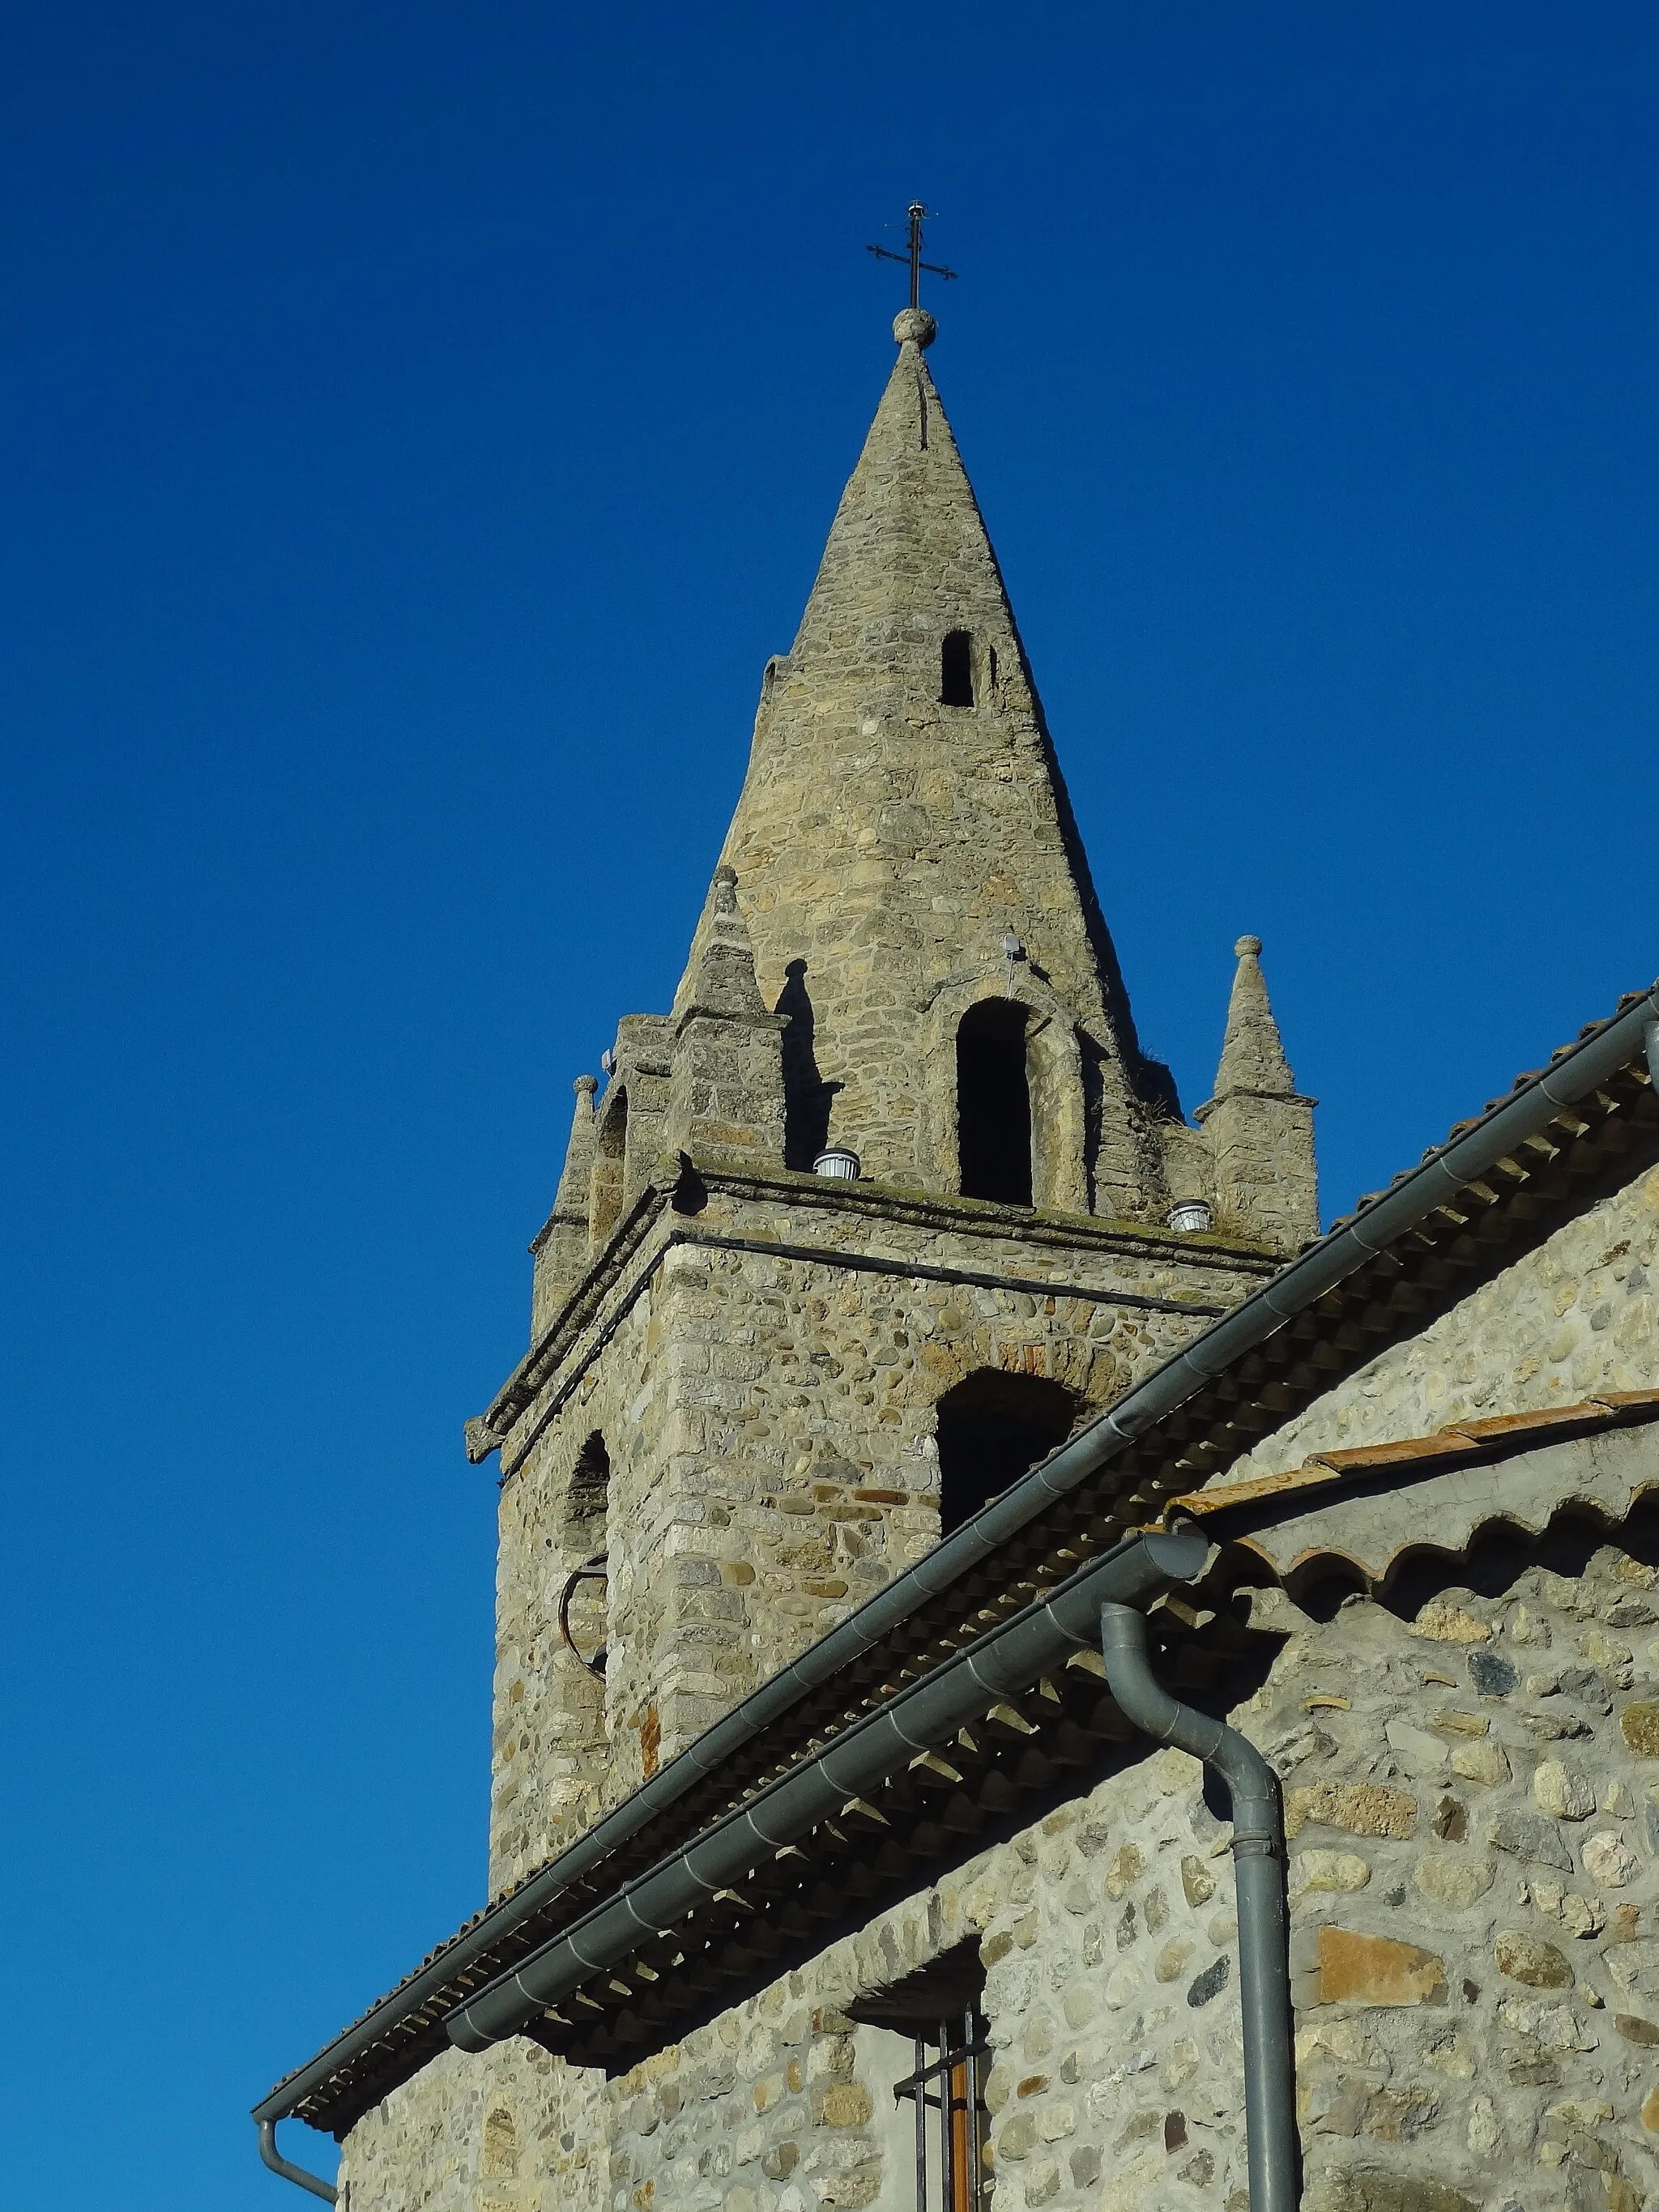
(590, 1571)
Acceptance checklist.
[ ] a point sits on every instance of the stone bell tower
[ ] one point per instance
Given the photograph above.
(886, 1204)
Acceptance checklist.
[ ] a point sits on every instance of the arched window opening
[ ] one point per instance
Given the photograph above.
(609, 1157)
(956, 687)
(992, 1427)
(583, 1601)
(590, 1487)
(613, 1130)
(994, 1104)
(806, 1096)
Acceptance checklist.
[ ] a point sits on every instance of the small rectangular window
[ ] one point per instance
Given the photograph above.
(927, 2053)
(947, 2091)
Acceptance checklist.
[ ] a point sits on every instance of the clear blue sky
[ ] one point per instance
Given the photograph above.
(420, 423)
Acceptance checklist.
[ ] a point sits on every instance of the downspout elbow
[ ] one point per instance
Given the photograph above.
(1143, 1700)
(297, 2174)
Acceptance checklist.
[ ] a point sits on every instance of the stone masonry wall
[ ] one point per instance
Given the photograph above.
(514, 2130)
(1472, 1800)
(770, 1425)
(1574, 1316)
(1473, 1805)
(1094, 1949)
(551, 1750)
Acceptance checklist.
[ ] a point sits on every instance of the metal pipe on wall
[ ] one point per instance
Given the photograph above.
(1264, 1973)
(301, 2176)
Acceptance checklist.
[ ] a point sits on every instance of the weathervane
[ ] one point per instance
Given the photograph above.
(918, 215)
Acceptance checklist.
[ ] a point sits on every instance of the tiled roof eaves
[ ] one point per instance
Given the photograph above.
(1334, 1472)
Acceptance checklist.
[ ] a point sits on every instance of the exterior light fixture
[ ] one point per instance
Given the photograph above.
(1191, 1214)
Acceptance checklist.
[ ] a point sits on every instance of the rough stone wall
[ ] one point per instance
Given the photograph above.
(551, 1757)
(1473, 1805)
(514, 2130)
(1113, 2004)
(1472, 1800)
(769, 1423)
(798, 1472)
(1572, 1316)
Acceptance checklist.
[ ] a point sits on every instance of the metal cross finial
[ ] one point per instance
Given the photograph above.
(918, 215)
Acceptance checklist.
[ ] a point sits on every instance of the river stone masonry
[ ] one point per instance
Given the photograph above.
(768, 1424)
(1472, 1800)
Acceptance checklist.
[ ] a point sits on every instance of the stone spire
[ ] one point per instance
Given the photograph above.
(726, 1082)
(1259, 1125)
(560, 1250)
(902, 814)
(1252, 1051)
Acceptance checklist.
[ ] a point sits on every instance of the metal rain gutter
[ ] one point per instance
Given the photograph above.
(1630, 1035)
(1006, 1660)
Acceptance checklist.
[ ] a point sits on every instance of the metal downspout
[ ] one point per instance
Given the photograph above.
(1258, 1865)
(297, 2174)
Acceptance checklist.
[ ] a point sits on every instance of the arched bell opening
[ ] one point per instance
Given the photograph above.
(992, 1427)
(994, 1104)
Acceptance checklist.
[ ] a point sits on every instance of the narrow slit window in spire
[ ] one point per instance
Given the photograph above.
(956, 687)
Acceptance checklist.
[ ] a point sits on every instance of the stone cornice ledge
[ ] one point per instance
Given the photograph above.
(687, 1184)
(978, 1217)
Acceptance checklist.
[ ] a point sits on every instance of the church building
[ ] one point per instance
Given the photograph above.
(1025, 1675)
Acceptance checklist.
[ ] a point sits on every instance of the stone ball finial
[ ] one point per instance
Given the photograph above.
(916, 325)
(586, 1085)
(1247, 948)
(725, 889)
